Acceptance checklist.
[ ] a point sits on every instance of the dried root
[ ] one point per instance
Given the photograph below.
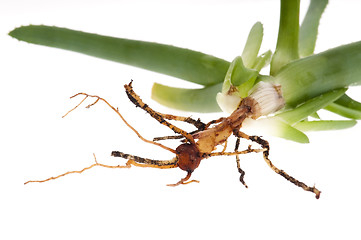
(79, 171)
(293, 180)
(196, 145)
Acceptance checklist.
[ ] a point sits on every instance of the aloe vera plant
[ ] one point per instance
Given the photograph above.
(308, 82)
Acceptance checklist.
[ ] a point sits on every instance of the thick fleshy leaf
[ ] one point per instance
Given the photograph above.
(309, 27)
(262, 60)
(277, 127)
(201, 100)
(344, 111)
(348, 102)
(346, 107)
(239, 73)
(312, 76)
(240, 77)
(311, 106)
(315, 115)
(324, 125)
(182, 63)
(238, 81)
(287, 41)
(253, 45)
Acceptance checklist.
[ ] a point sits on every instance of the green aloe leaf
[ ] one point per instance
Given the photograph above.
(278, 128)
(239, 74)
(315, 115)
(311, 106)
(182, 63)
(262, 61)
(253, 45)
(191, 100)
(287, 41)
(309, 28)
(286, 131)
(240, 77)
(324, 125)
(312, 76)
(348, 102)
(346, 107)
(344, 111)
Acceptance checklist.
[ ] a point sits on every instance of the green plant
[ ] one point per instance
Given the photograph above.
(309, 82)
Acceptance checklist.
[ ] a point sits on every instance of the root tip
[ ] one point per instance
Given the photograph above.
(318, 195)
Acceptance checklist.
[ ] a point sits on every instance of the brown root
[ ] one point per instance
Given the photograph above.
(240, 170)
(146, 162)
(293, 180)
(137, 101)
(183, 181)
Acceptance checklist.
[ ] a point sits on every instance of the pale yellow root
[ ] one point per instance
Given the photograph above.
(183, 181)
(118, 113)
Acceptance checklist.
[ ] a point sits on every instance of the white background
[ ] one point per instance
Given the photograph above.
(36, 83)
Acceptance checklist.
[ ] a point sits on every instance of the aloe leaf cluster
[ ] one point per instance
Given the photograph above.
(309, 81)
